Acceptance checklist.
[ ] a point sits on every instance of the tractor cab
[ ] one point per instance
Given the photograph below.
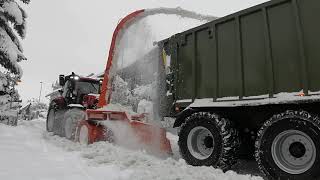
(75, 88)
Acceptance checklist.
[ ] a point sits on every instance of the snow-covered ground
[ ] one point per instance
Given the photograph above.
(28, 152)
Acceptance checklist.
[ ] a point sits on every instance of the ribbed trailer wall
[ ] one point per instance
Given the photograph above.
(267, 49)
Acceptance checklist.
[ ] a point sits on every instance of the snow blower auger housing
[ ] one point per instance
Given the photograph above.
(94, 126)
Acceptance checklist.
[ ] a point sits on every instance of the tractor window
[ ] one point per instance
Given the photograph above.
(83, 87)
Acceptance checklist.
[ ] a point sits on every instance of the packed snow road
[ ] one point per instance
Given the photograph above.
(28, 152)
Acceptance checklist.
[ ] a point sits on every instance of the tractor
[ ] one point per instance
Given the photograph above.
(77, 94)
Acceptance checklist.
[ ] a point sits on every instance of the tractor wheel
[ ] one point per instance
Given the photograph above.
(58, 124)
(206, 139)
(288, 146)
(72, 118)
(83, 133)
(50, 120)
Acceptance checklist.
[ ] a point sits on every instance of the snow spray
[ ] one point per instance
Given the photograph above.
(136, 60)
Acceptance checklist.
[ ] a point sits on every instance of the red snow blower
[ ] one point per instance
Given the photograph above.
(93, 129)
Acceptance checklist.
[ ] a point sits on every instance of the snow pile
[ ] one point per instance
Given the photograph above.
(36, 154)
(145, 167)
(141, 166)
(24, 150)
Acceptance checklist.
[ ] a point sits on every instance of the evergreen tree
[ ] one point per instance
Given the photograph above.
(12, 29)
(12, 22)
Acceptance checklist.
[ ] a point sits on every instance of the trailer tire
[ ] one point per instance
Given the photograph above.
(50, 120)
(220, 141)
(71, 120)
(288, 146)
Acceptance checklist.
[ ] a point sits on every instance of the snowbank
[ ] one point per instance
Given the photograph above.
(39, 155)
(142, 166)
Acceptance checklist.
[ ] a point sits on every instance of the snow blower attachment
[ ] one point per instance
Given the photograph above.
(82, 110)
(97, 123)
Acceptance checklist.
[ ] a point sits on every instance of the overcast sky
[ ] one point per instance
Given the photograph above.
(74, 35)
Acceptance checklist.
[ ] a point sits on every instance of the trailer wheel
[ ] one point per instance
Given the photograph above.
(50, 120)
(288, 146)
(72, 118)
(206, 139)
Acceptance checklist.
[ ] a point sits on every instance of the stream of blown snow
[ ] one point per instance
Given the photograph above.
(137, 57)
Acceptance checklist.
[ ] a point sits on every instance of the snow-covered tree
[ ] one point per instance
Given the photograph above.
(120, 92)
(12, 29)
(12, 23)
(9, 98)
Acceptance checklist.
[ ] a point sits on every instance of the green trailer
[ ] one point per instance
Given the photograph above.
(248, 85)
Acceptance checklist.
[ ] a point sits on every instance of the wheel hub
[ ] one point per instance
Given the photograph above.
(297, 149)
(293, 151)
(208, 142)
(84, 135)
(200, 143)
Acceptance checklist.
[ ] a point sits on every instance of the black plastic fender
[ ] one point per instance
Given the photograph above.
(181, 117)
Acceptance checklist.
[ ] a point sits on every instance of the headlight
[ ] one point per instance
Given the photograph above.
(76, 78)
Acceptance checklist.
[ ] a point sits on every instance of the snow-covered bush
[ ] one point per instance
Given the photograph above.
(9, 99)
(38, 106)
(138, 98)
(120, 92)
(34, 110)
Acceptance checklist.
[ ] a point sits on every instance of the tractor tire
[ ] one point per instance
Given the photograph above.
(84, 133)
(288, 146)
(50, 120)
(58, 125)
(206, 139)
(71, 120)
